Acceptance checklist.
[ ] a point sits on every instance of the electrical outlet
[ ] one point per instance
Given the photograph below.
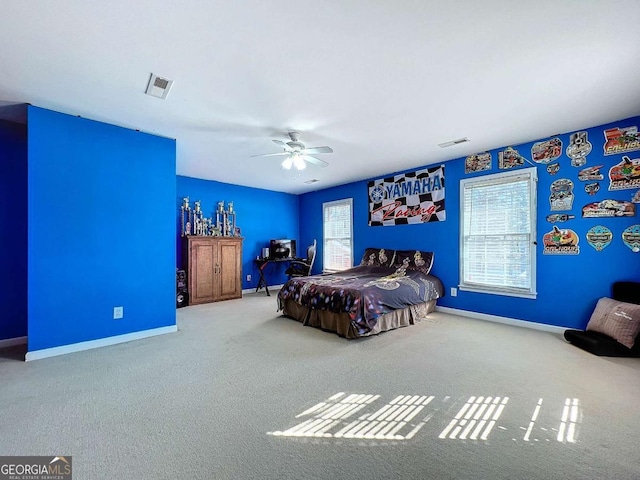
(248, 278)
(118, 312)
(454, 292)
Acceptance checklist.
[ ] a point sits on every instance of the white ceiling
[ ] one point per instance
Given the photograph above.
(382, 82)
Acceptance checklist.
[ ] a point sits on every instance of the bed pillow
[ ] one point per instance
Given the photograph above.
(619, 320)
(377, 256)
(415, 259)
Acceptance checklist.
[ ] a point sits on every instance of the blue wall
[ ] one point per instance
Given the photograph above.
(13, 233)
(103, 206)
(101, 230)
(568, 285)
(262, 215)
(311, 218)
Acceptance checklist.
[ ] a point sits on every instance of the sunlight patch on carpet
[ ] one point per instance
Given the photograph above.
(393, 421)
(359, 416)
(476, 418)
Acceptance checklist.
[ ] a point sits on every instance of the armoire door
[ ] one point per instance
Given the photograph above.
(230, 268)
(202, 271)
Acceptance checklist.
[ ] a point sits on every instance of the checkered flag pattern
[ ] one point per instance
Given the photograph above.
(409, 198)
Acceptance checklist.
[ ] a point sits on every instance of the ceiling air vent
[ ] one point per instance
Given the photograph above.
(158, 86)
(453, 142)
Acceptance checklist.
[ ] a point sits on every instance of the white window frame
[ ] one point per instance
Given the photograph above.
(529, 174)
(326, 265)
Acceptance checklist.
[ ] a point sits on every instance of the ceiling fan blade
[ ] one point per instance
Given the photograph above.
(283, 145)
(272, 154)
(315, 161)
(318, 150)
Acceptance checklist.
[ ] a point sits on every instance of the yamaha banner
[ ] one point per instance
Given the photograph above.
(416, 197)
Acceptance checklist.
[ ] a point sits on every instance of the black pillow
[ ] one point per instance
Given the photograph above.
(377, 256)
(415, 260)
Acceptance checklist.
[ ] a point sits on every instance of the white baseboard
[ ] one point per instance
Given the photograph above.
(505, 320)
(10, 342)
(101, 342)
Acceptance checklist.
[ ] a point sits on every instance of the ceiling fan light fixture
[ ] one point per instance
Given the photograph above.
(299, 163)
(287, 163)
(296, 154)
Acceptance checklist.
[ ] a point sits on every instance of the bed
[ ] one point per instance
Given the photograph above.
(389, 289)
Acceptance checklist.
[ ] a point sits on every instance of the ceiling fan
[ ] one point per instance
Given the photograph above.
(297, 154)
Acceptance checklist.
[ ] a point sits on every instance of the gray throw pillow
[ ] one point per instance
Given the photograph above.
(619, 320)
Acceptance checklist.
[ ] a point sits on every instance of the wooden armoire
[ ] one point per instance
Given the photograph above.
(214, 268)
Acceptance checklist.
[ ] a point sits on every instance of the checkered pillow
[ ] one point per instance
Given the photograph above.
(619, 320)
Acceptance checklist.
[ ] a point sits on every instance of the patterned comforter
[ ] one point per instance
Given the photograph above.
(363, 292)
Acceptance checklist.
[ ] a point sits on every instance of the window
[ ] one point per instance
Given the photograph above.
(337, 234)
(497, 241)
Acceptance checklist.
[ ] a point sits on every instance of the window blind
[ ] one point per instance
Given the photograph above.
(498, 237)
(337, 226)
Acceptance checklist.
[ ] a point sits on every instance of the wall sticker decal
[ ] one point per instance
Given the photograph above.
(590, 173)
(621, 140)
(547, 151)
(578, 149)
(599, 237)
(625, 174)
(609, 208)
(410, 198)
(592, 188)
(560, 242)
(561, 197)
(559, 217)
(478, 162)
(509, 158)
(553, 168)
(631, 238)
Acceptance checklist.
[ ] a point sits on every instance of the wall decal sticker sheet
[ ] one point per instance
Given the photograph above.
(478, 162)
(559, 217)
(592, 188)
(590, 173)
(509, 158)
(560, 242)
(625, 174)
(547, 151)
(409, 198)
(599, 237)
(631, 238)
(609, 208)
(553, 168)
(621, 140)
(561, 197)
(578, 149)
